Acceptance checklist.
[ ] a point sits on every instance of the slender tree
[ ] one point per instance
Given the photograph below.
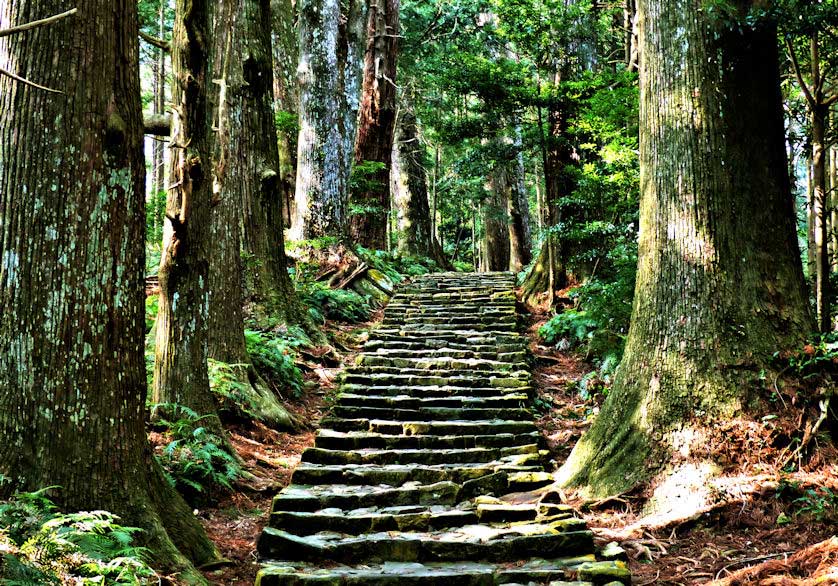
(819, 100)
(719, 284)
(368, 224)
(518, 207)
(286, 58)
(72, 376)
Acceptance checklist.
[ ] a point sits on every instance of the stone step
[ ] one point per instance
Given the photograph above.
(513, 400)
(535, 571)
(566, 537)
(431, 413)
(423, 345)
(330, 439)
(437, 363)
(511, 474)
(448, 353)
(421, 391)
(372, 520)
(307, 498)
(462, 380)
(420, 427)
(414, 456)
(479, 339)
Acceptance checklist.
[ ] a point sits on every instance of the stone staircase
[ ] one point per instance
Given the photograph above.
(420, 474)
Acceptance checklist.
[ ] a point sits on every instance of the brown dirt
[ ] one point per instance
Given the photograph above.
(776, 533)
(235, 521)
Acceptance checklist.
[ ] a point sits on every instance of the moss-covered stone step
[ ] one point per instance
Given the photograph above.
(403, 377)
(372, 520)
(386, 390)
(353, 440)
(352, 496)
(436, 345)
(471, 542)
(431, 413)
(513, 400)
(399, 474)
(417, 456)
(424, 427)
(446, 353)
(427, 574)
(435, 363)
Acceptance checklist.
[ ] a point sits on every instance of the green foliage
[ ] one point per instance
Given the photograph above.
(819, 503)
(43, 546)
(273, 357)
(287, 122)
(335, 304)
(155, 212)
(194, 460)
(364, 178)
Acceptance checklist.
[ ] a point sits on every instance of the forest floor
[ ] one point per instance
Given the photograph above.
(776, 531)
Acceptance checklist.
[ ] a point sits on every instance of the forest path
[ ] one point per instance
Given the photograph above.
(419, 476)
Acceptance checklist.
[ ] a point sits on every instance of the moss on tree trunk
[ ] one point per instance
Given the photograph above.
(719, 283)
(72, 376)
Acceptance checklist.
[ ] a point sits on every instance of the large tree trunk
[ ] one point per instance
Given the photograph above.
(368, 224)
(72, 377)
(320, 197)
(410, 192)
(180, 365)
(520, 232)
(237, 177)
(286, 57)
(719, 283)
(549, 274)
(351, 58)
(495, 224)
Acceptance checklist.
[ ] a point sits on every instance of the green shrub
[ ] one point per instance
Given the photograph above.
(273, 357)
(195, 460)
(335, 304)
(43, 546)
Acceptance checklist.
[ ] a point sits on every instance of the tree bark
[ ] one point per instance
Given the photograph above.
(376, 126)
(520, 231)
(351, 58)
(495, 221)
(245, 147)
(719, 283)
(180, 365)
(72, 376)
(320, 196)
(286, 57)
(158, 166)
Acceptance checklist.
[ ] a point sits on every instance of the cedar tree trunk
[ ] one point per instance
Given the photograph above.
(719, 282)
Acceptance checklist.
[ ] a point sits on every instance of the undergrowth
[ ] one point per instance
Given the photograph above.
(41, 546)
(194, 458)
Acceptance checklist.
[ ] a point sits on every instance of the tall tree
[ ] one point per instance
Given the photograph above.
(241, 64)
(180, 365)
(518, 207)
(719, 284)
(819, 99)
(352, 48)
(320, 197)
(495, 245)
(368, 223)
(409, 187)
(286, 58)
(72, 376)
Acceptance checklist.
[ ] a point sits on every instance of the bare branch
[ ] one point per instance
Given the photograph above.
(29, 83)
(809, 97)
(159, 43)
(36, 23)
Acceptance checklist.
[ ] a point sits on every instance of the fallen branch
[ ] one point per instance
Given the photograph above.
(159, 43)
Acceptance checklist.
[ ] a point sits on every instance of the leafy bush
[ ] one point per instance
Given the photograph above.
(335, 304)
(42, 546)
(273, 356)
(195, 460)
